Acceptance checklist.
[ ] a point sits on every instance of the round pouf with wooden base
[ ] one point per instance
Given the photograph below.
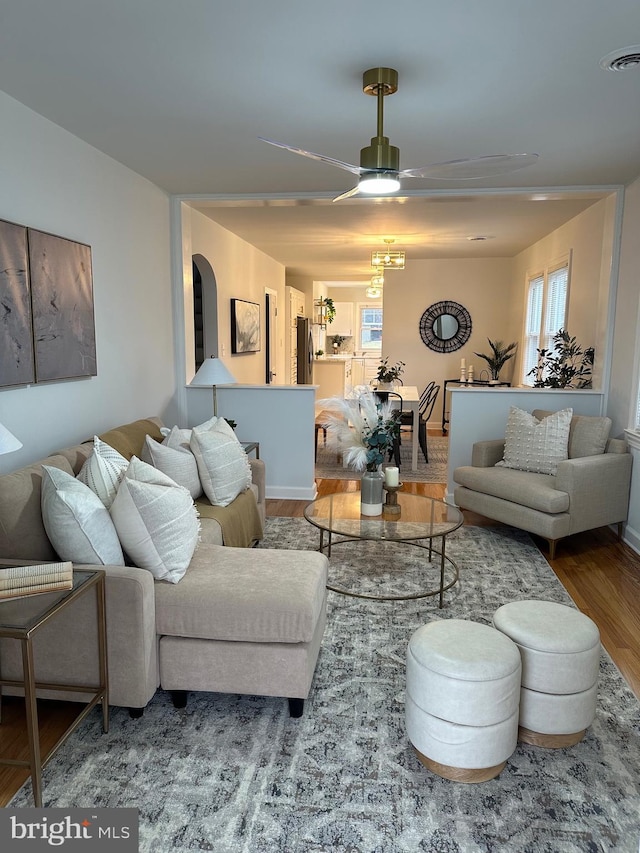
(560, 651)
(461, 707)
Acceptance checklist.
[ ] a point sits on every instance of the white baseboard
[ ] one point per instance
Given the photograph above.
(631, 538)
(291, 493)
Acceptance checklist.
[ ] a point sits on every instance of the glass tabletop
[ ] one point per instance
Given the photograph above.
(419, 518)
(23, 613)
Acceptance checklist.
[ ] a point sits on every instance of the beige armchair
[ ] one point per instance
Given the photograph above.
(589, 490)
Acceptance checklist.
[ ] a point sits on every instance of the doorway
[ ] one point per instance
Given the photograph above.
(271, 334)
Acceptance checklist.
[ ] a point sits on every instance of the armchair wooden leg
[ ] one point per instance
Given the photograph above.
(620, 525)
(552, 548)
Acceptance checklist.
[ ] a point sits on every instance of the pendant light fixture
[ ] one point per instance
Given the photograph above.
(388, 258)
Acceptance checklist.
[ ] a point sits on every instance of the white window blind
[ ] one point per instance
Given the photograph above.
(556, 303)
(546, 314)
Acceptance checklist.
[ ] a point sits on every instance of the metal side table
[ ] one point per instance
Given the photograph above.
(21, 619)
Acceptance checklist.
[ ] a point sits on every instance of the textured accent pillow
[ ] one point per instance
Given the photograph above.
(588, 435)
(77, 522)
(156, 521)
(103, 471)
(533, 445)
(222, 463)
(177, 462)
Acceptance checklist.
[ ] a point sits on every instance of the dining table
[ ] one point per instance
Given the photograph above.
(411, 402)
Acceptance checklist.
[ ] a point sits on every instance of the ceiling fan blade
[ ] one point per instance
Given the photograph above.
(477, 167)
(348, 167)
(354, 191)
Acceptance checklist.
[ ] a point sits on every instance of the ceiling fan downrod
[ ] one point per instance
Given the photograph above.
(380, 156)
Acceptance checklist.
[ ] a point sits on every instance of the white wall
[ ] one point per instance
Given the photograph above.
(53, 181)
(242, 272)
(482, 286)
(588, 237)
(626, 331)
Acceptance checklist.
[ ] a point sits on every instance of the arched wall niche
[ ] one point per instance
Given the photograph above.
(205, 310)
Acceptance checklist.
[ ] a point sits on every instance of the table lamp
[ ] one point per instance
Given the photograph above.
(8, 441)
(212, 372)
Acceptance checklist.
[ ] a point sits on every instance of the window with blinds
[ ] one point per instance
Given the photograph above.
(546, 313)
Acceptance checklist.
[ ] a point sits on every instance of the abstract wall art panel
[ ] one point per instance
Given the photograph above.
(245, 326)
(16, 339)
(62, 304)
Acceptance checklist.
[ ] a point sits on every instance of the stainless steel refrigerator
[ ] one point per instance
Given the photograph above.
(305, 351)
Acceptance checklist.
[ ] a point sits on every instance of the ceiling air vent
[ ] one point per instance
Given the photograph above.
(622, 59)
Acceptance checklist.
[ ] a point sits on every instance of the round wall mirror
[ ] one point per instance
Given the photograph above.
(445, 326)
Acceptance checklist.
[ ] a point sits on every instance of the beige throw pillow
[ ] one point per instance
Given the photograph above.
(176, 461)
(103, 471)
(222, 463)
(77, 522)
(156, 521)
(533, 445)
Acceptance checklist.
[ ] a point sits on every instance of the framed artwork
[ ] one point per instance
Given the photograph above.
(62, 305)
(16, 337)
(245, 326)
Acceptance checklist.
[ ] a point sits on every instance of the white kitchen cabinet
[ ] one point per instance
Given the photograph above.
(343, 322)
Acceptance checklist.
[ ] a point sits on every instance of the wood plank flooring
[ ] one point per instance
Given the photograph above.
(601, 574)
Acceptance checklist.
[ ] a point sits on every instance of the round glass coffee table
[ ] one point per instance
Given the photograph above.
(419, 521)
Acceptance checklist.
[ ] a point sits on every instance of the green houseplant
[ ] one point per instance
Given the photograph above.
(500, 355)
(388, 374)
(566, 365)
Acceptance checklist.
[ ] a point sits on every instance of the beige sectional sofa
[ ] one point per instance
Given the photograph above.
(241, 620)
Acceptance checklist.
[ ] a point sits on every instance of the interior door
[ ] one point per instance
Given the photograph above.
(271, 335)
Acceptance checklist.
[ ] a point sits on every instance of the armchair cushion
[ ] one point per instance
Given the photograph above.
(537, 491)
(536, 445)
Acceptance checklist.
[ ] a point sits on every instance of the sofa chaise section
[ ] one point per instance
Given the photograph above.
(241, 620)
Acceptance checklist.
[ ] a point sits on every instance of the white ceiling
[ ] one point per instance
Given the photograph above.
(179, 92)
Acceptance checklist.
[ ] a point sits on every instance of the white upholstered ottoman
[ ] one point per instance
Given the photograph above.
(560, 650)
(461, 707)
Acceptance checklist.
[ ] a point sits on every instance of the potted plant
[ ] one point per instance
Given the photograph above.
(338, 340)
(319, 353)
(566, 365)
(500, 355)
(389, 374)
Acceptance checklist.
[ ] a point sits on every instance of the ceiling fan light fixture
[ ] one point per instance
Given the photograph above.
(379, 183)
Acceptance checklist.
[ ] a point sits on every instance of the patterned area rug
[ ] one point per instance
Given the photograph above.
(235, 774)
(328, 467)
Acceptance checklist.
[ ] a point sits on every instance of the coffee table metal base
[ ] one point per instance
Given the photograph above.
(440, 590)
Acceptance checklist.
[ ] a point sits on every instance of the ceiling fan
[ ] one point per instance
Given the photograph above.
(379, 171)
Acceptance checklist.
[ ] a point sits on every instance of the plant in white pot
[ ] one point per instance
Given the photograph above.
(388, 375)
(500, 355)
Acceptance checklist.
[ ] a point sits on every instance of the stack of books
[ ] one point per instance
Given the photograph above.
(19, 581)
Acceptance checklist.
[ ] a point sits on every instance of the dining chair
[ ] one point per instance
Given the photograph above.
(426, 410)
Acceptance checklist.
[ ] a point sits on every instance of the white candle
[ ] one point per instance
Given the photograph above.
(391, 476)
(462, 364)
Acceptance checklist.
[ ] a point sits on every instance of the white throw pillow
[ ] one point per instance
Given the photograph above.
(156, 521)
(103, 471)
(222, 463)
(533, 445)
(179, 463)
(77, 522)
